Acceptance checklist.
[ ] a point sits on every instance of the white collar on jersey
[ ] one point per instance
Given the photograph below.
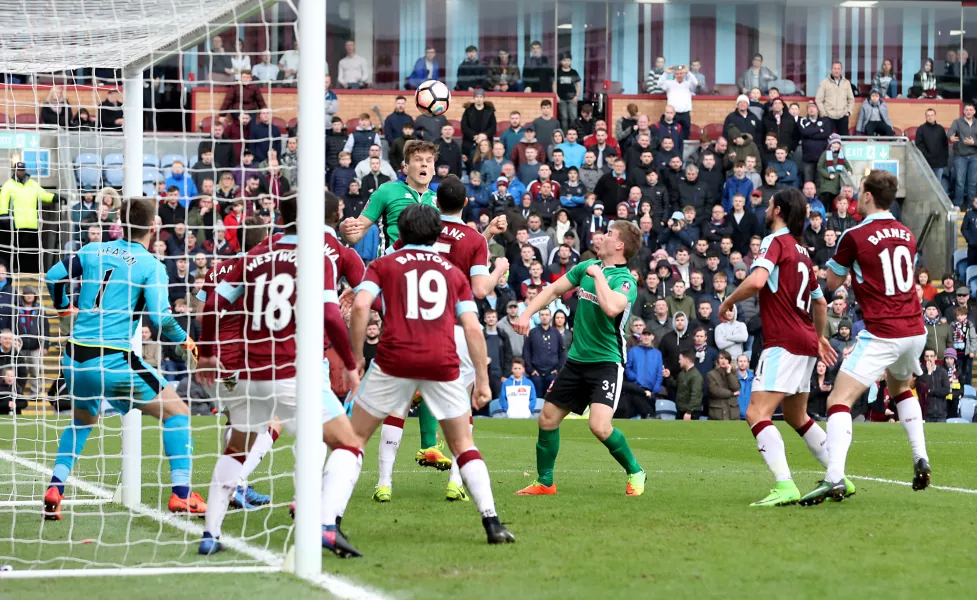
(289, 239)
(331, 231)
(876, 216)
(452, 219)
(418, 247)
(781, 231)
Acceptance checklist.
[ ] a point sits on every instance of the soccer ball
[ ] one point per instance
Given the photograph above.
(432, 97)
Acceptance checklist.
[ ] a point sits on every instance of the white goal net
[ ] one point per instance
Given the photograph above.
(105, 100)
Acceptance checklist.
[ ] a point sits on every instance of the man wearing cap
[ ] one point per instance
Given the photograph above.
(21, 200)
(962, 299)
(939, 335)
(505, 326)
(814, 131)
(518, 156)
(835, 99)
(676, 235)
(741, 121)
(500, 200)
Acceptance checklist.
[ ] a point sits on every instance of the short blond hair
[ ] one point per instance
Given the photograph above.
(628, 233)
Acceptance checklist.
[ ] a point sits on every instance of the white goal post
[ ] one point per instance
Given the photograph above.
(130, 36)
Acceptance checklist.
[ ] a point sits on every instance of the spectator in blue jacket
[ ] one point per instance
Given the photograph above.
(677, 234)
(425, 68)
(573, 150)
(745, 375)
(180, 179)
(368, 244)
(518, 396)
(739, 183)
(543, 352)
(643, 375)
(787, 176)
(513, 135)
(478, 194)
(393, 125)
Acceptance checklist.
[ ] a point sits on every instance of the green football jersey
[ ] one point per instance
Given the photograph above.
(597, 337)
(385, 205)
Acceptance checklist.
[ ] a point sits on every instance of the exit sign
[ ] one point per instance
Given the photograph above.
(866, 151)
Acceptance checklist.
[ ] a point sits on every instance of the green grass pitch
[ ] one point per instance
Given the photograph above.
(692, 535)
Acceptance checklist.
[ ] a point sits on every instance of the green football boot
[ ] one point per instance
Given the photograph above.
(784, 494)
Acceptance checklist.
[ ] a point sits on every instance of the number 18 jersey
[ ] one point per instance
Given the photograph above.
(881, 252)
(423, 294)
(785, 302)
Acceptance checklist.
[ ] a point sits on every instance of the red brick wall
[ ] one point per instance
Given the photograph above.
(21, 99)
(713, 109)
(284, 103)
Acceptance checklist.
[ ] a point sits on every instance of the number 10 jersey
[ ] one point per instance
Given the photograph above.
(880, 252)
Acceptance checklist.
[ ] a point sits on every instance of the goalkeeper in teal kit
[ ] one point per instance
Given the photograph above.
(119, 281)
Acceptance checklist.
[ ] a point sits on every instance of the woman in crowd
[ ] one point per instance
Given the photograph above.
(923, 279)
(821, 385)
(56, 110)
(924, 82)
(240, 61)
(885, 80)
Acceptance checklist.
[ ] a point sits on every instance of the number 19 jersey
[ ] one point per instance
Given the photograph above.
(881, 253)
(423, 294)
(785, 302)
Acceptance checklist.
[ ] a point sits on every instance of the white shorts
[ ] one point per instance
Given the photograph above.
(381, 395)
(256, 403)
(466, 366)
(783, 372)
(223, 390)
(871, 356)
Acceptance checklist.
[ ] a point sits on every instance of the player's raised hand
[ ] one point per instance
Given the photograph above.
(502, 264)
(68, 312)
(723, 308)
(521, 326)
(827, 354)
(346, 301)
(350, 226)
(498, 225)
(482, 394)
(189, 348)
(206, 372)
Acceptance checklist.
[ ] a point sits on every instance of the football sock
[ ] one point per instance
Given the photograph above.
(391, 433)
(261, 446)
(454, 476)
(429, 426)
(178, 447)
(618, 446)
(547, 447)
(476, 477)
(342, 471)
(70, 447)
(815, 438)
(911, 417)
(839, 441)
(771, 446)
(222, 483)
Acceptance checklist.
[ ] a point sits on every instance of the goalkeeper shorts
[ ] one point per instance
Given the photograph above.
(254, 403)
(125, 380)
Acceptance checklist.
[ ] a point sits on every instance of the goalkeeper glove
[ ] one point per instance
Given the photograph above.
(68, 312)
(189, 348)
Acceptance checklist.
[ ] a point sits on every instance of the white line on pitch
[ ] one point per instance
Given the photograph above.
(338, 586)
(906, 483)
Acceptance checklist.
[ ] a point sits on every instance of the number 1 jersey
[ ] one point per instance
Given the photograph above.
(423, 294)
(785, 302)
(881, 254)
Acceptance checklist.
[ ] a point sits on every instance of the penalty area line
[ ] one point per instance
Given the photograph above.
(943, 488)
(333, 584)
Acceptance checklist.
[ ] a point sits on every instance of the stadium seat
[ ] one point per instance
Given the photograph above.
(206, 124)
(495, 409)
(168, 160)
(280, 123)
(151, 175)
(26, 119)
(969, 391)
(351, 125)
(695, 132)
(714, 130)
(666, 410)
(113, 170)
(148, 190)
(294, 122)
(967, 406)
(896, 131)
(88, 171)
(960, 262)
(150, 160)
(971, 278)
(500, 128)
(3, 118)
(910, 133)
(956, 421)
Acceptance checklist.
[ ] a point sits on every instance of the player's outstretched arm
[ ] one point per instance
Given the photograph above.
(158, 305)
(58, 280)
(750, 286)
(543, 299)
(483, 284)
(611, 302)
(820, 315)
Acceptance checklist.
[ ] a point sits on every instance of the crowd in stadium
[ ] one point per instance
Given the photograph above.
(561, 176)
